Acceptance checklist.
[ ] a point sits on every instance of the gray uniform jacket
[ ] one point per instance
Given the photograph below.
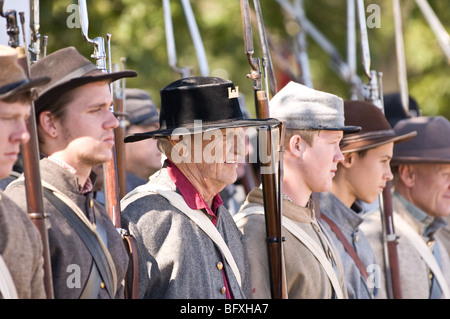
(348, 221)
(176, 258)
(67, 250)
(414, 273)
(21, 249)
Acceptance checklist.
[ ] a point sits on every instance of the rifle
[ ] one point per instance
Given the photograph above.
(271, 193)
(373, 93)
(30, 152)
(112, 196)
(119, 110)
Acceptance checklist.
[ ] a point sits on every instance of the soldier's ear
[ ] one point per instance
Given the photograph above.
(295, 145)
(406, 174)
(46, 121)
(349, 160)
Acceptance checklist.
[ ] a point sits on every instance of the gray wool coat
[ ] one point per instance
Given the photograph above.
(414, 272)
(306, 277)
(348, 221)
(67, 250)
(176, 258)
(21, 249)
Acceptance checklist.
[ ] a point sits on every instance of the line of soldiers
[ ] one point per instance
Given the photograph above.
(188, 244)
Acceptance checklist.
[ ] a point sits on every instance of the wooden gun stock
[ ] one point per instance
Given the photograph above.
(33, 186)
(272, 208)
(393, 271)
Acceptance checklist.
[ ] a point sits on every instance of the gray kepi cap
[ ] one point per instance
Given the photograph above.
(303, 108)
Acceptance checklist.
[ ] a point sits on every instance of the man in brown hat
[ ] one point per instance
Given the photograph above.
(21, 262)
(314, 123)
(76, 133)
(361, 175)
(188, 243)
(421, 197)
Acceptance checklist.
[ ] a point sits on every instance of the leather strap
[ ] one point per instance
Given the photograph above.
(348, 248)
(91, 240)
(132, 279)
(424, 252)
(196, 216)
(304, 238)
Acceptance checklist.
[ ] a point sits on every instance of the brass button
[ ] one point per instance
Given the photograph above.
(102, 285)
(356, 238)
(91, 203)
(223, 290)
(219, 265)
(330, 254)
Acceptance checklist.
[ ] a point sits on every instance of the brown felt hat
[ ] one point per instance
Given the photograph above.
(431, 145)
(68, 69)
(12, 76)
(375, 128)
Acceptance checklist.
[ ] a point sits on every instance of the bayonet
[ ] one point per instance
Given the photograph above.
(35, 44)
(196, 38)
(400, 52)
(363, 37)
(271, 83)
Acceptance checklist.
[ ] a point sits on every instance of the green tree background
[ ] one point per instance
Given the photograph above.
(137, 28)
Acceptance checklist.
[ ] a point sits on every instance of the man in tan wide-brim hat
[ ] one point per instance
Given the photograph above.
(21, 262)
(421, 200)
(76, 133)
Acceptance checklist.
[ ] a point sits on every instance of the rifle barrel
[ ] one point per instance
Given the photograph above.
(33, 185)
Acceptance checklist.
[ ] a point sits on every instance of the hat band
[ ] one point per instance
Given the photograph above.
(369, 135)
(9, 87)
(76, 73)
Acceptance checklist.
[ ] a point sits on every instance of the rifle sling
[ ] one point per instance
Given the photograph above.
(306, 240)
(89, 238)
(348, 248)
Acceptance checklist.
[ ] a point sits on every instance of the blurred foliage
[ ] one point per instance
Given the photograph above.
(137, 29)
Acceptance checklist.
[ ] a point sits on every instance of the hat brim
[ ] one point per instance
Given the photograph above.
(191, 129)
(26, 86)
(419, 160)
(53, 93)
(346, 129)
(367, 144)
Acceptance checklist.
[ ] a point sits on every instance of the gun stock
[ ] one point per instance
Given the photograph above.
(30, 154)
(112, 196)
(270, 187)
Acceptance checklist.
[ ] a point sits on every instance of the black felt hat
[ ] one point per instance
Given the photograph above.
(198, 104)
(394, 110)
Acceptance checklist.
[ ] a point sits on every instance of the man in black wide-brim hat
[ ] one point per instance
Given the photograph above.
(188, 243)
(76, 133)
